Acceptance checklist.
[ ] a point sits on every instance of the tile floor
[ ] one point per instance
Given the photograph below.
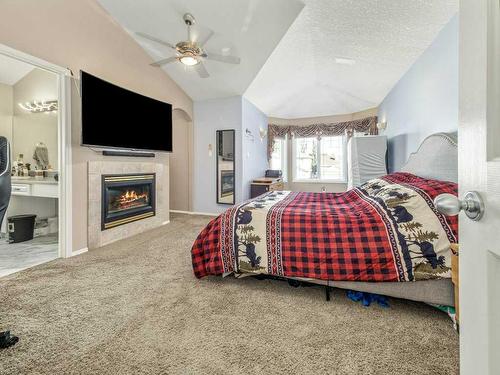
(19, 256)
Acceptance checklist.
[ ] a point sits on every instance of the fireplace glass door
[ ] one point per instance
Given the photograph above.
(124, 198)
(127, 198)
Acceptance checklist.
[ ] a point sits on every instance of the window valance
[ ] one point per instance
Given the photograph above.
(368, 124)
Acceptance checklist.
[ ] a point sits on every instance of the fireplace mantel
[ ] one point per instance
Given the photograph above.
(98, 237)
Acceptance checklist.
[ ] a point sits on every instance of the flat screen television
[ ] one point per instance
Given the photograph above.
(113, 117)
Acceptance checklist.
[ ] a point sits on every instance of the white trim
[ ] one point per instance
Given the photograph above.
(293, 155)
(65, 170)
(193, 213)
(79, 252)
(64, 143)
(165, 222)
(315, 181)
(32, 60)
(284, 158)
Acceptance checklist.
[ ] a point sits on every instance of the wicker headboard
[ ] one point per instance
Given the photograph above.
(436, 158)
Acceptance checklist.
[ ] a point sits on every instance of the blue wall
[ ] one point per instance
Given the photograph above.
(254, 149)
(425, 100)
(208, 117)
(250, 155)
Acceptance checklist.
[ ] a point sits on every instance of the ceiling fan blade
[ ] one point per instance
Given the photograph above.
(154, 39)
(222, 58)
(161, 62)
(203, 41)
(201, 70)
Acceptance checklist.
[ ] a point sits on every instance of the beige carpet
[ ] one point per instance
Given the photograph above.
(134, 307)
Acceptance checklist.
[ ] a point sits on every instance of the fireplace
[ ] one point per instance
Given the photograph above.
(127, 198)
(227, 182)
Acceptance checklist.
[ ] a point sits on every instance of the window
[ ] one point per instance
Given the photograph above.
(332, 158)
(278, 156)
(306, 159)
(320, 160)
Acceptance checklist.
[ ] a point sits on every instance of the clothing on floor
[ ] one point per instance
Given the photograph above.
(367, 298)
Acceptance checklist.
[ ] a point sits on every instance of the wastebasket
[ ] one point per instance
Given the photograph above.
(21, 227)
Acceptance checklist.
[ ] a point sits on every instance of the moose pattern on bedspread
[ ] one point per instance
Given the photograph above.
(385, 230)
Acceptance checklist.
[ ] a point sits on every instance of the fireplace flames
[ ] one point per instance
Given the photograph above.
(127, 198)
(131, 199)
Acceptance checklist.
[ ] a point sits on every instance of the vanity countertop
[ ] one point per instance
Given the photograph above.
(33, 180)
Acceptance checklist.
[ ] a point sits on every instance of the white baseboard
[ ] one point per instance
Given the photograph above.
(165, 222)
(193, 213)
(79, 252)
(182, 212)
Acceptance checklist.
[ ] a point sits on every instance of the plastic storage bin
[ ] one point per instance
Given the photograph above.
(21, 228)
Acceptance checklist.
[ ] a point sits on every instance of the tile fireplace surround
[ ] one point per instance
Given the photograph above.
(98, 237)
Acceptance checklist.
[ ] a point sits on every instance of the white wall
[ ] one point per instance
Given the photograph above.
(24, 130)
(425, 100)
(41, 207)
(6, 111)
(6, 114)
(32, 128)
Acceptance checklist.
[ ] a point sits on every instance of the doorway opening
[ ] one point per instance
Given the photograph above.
(33, 121)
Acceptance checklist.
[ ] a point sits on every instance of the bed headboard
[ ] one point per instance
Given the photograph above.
(436, 158)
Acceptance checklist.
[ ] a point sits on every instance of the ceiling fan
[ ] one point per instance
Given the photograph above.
(191, 52)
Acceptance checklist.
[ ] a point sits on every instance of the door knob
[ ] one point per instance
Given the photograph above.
(450, 205)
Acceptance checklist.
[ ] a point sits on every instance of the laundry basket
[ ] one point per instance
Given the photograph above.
(21, 228)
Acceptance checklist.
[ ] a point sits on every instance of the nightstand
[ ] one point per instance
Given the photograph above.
(454, 276)
(262, 185)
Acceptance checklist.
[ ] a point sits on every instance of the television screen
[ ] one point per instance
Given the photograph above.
(113, 117)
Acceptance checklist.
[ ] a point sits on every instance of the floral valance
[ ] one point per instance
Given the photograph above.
(367, 125)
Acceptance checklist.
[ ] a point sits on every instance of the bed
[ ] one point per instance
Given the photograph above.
(383, 237)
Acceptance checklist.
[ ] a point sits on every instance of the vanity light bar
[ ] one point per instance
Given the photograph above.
(37, 106)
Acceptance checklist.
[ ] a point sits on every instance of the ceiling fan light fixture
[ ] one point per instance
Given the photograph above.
(189, 60)
(191, 52)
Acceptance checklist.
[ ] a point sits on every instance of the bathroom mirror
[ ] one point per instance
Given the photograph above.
(35, 120)
(225, 167)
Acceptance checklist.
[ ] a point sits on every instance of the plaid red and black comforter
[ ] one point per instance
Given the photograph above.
(385, 230)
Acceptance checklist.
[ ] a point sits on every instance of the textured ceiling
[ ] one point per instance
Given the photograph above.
(384, 37)
(11, 70)
(249, 29)
(290, 71)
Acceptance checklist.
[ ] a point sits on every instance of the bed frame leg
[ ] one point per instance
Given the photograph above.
(327, 292)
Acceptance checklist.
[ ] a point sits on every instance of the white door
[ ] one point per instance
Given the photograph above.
(479, 169)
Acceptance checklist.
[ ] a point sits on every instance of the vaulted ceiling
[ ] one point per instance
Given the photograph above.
(248, 29)
(298, 58)
(11, 70)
